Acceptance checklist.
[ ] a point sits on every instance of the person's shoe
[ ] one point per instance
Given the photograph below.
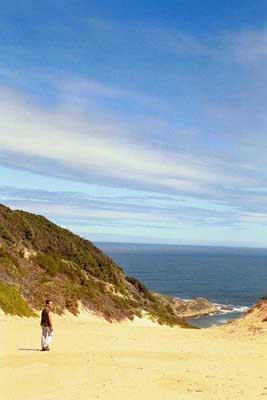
(43, 349)
(47, 349)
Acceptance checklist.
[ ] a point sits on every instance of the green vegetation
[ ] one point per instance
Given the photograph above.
(9, 265)
(44, 260)
(12, 303)
(5, 234)
(51, 263)
(140, 287)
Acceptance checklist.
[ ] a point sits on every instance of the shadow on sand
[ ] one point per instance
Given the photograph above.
(29, 349)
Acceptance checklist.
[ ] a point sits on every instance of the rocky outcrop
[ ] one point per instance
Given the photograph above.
(190, 308)
(195, 308)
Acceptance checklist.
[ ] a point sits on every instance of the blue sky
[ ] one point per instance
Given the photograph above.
(137, 121)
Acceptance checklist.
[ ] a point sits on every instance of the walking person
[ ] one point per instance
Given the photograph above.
(47, 326)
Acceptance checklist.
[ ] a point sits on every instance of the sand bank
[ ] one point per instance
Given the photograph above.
(93, 359)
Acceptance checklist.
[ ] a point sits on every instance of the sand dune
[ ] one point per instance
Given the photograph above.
(92, 359)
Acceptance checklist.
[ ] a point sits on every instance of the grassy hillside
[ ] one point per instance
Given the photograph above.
(12, 303)
(40, 260)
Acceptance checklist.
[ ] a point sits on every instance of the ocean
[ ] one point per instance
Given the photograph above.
(227, 276)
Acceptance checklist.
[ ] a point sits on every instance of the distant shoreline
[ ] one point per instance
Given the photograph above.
(172, 246)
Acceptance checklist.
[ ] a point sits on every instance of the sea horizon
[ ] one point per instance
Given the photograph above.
(117, 244)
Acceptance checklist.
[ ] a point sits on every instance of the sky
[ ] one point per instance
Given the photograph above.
(139, 122)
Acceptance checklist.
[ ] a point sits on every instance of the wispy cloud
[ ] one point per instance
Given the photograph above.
(167, 212)
(75, 144)
(196, 137)
(247, 46)
(150, 209)
(88, 149)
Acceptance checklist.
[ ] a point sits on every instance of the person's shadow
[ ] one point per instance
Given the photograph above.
(29, 349)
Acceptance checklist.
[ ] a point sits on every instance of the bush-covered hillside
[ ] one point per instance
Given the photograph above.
(40, 260)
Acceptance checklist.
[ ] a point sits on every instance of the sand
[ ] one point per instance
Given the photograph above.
(93, 359)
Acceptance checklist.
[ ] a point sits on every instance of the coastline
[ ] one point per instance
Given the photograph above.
(223, 309)
(201, 307)
(214, 314)
(223, 315)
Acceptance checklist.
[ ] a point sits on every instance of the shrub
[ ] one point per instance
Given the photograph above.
(140, 287)
(50, 263)
(11, 302)
(9, 264)
(5, 234)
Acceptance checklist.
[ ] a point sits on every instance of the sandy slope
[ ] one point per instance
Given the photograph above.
(92, 359)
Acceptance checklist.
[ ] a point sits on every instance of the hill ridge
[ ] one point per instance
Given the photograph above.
(40, 259)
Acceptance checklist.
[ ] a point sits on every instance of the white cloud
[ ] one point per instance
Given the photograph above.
(204, 139)
(248, 47)
(103, 149)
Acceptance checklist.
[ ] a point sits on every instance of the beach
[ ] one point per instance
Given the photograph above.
(94, 359)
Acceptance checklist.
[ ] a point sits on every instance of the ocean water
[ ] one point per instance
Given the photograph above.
(228, 276)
